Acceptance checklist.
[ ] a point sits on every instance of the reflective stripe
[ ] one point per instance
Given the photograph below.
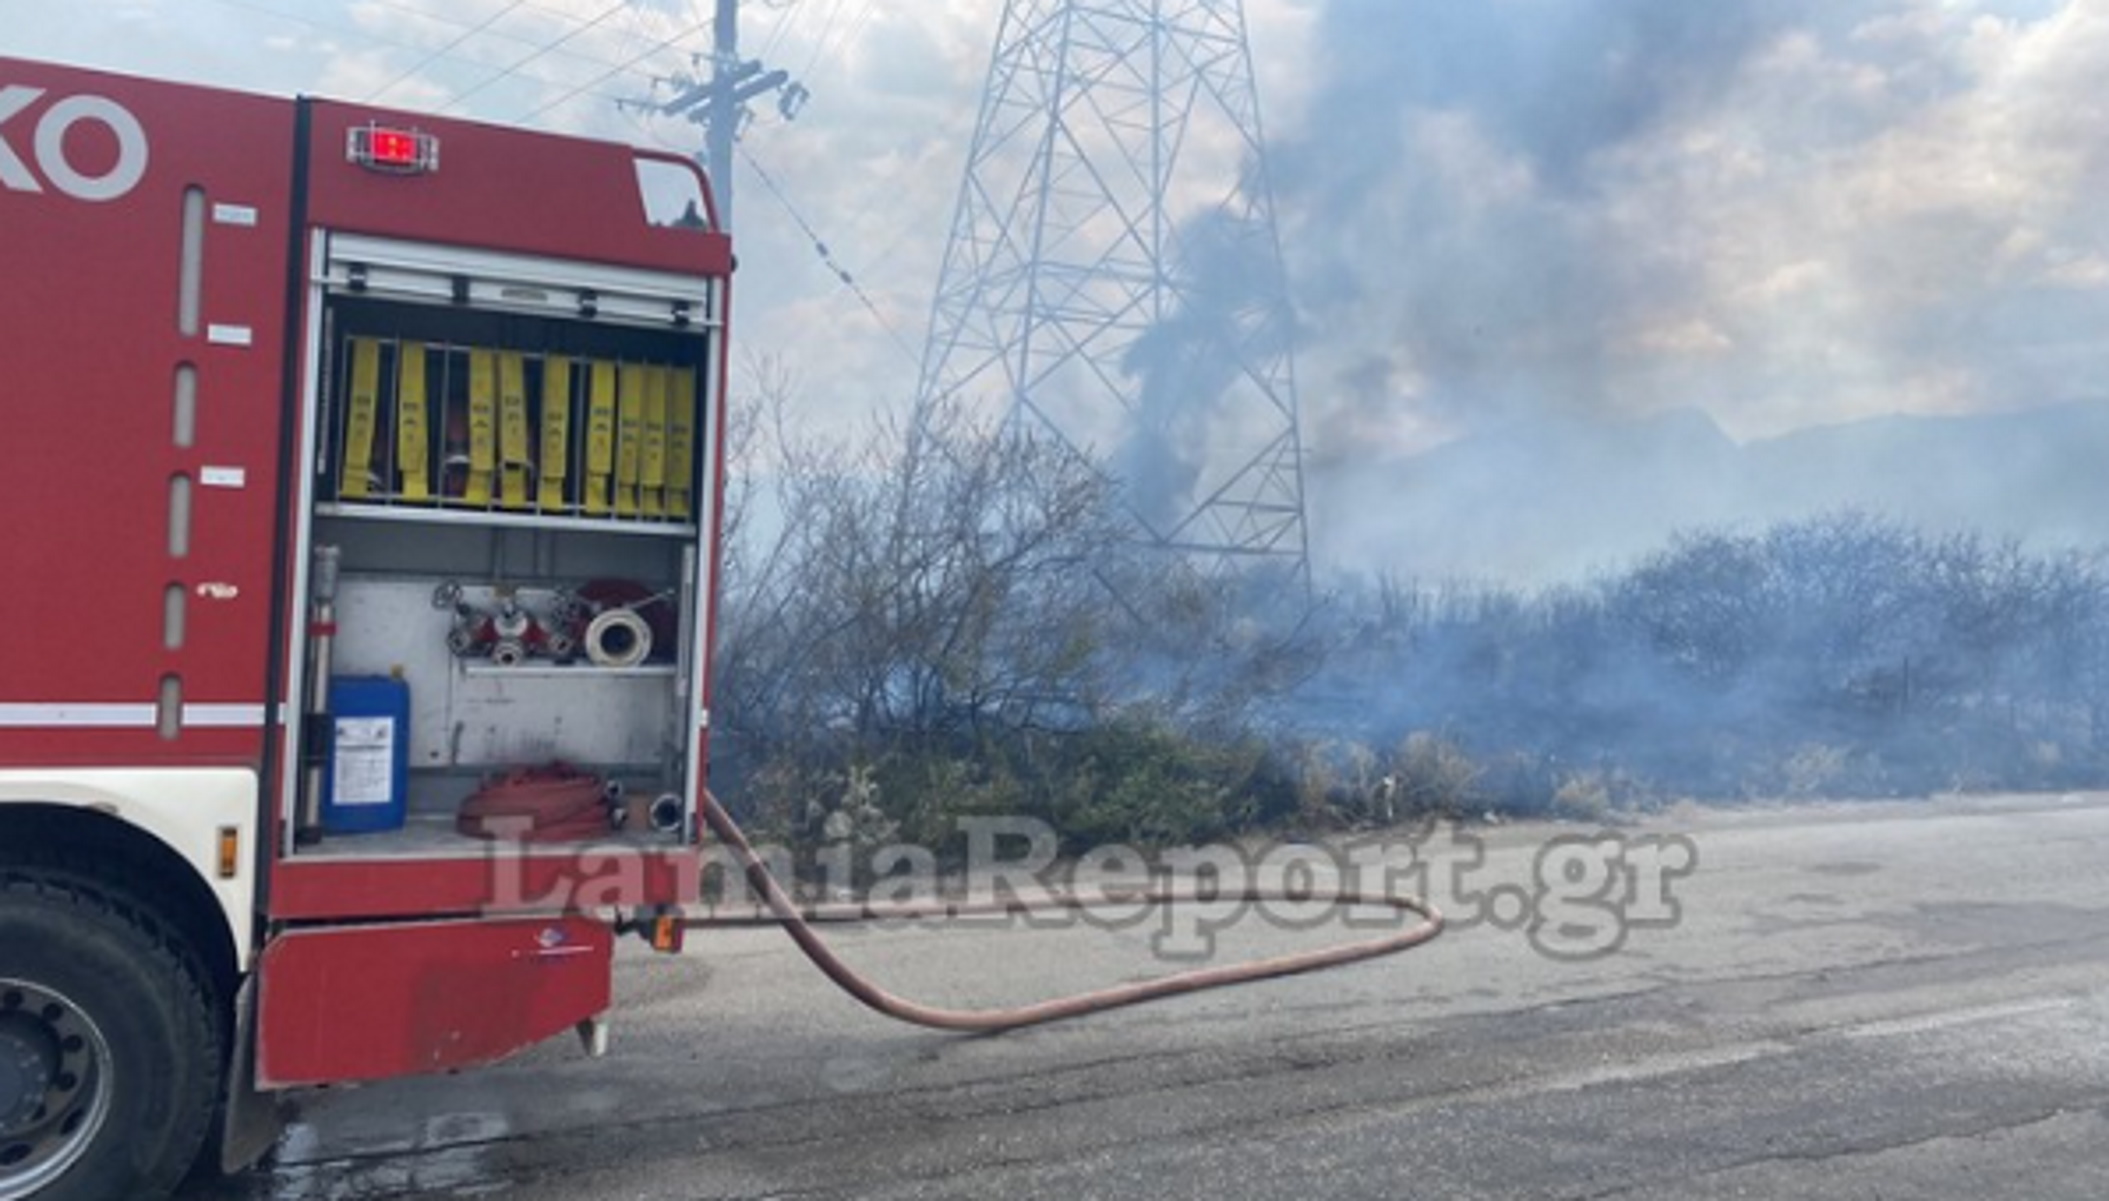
(216, 716)
(68, 714)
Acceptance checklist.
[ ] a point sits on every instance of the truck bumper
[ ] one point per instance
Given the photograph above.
(354, 1003)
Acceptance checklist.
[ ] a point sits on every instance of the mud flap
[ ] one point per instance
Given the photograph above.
(250, 1121)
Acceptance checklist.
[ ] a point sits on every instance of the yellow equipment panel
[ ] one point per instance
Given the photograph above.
(512, 430)
(483, 419)
(360, 417)
(651, 500)
(600, 436)
(680, 442)
(556, 432)
(629, 439)
(413, 436)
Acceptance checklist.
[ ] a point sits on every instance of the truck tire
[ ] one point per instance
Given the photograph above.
(95, 991)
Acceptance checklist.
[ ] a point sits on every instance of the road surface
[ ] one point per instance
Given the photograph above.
(1895, 999)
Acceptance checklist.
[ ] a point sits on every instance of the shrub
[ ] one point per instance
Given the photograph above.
(1142, 783)
(1434, 775)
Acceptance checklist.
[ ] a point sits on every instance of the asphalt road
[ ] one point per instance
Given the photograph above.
(1840, 1000)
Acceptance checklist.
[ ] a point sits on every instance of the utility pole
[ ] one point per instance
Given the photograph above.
(719, 104)
(722, 125)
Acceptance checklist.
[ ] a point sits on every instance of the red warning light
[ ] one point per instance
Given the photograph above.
(394, 148)
(401, 151)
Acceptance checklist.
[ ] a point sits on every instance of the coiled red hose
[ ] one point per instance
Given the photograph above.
(556, 803)
(800, 927)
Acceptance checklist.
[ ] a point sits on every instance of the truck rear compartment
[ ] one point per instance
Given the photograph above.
(514, 501)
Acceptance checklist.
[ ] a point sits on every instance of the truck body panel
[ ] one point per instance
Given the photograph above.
(201, 289)
(112, 594)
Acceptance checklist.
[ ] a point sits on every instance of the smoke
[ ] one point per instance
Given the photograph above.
(1204, 368)
(1599, 245)
(1555, 82)
(1844, 655)
(1459, 196)
(1552, 250)
(1511, 215)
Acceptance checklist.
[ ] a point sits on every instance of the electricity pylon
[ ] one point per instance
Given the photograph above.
(1114, 273)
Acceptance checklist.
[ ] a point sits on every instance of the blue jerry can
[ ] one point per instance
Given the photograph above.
(367, 785)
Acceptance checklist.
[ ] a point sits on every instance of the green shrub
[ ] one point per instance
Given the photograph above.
(1142, 783)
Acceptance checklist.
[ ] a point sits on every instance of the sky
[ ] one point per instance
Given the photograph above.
(1780, 213)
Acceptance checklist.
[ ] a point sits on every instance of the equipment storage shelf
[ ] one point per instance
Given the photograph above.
(406, 514)
(519, 648)
(431, 413)
(513, 503)
(558, 670)
(431, 835)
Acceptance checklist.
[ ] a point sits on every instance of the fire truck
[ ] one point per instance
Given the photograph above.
(360, 474)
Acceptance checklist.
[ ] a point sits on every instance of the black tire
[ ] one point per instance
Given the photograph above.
(94, 991)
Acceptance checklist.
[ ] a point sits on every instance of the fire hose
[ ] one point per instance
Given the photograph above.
(557, 803)
(800, 925)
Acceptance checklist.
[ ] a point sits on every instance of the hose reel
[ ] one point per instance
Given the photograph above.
(617, 638)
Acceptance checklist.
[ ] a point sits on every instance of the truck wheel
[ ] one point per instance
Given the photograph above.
(109, 1055)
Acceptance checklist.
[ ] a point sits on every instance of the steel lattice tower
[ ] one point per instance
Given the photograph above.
(1114, 274)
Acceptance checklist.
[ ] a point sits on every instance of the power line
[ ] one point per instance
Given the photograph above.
(827, 257)
(624, 68)
(827, 34)
(611, 10)
(413, 10)
(381, 40)
(827, 30)
(464, 36)
(633, 35)
(856, 29)
(353, 30)
(783, 10)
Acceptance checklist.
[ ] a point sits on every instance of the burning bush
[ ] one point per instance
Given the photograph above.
(958, 611)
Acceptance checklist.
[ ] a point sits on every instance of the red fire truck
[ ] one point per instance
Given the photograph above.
(360, 474)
